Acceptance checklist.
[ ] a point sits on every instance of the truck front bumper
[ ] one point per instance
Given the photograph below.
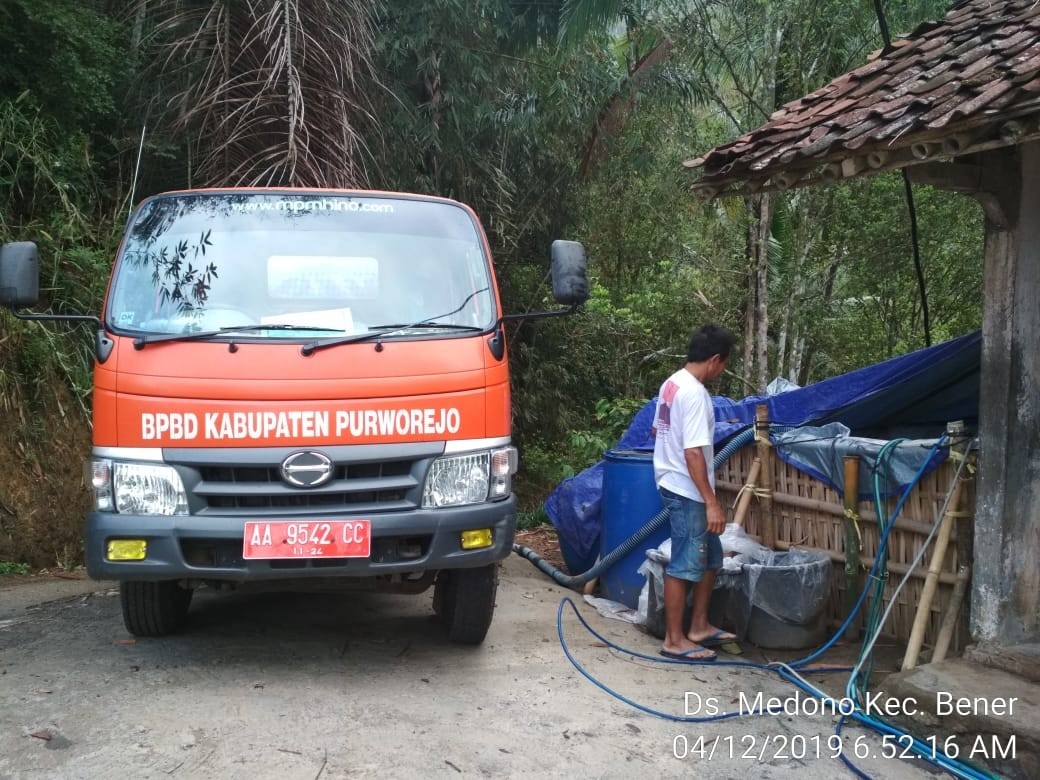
(209, 547)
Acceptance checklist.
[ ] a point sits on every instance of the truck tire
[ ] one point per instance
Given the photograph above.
(154, 608)
(465, 601)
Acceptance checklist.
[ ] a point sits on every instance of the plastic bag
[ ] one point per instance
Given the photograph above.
(735, 540)
(651, 604)
(793, 585)
(614, 610)
(780, 385)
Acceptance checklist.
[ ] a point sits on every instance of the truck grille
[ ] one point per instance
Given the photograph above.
(218, 484)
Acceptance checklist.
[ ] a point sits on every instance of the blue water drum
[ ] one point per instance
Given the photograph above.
(630, 500)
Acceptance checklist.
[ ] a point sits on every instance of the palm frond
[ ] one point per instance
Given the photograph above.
(579, 18)
(270, 90)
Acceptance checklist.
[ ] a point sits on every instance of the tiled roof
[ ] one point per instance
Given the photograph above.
(967, 83)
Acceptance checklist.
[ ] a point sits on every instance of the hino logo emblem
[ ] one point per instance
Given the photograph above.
(307, 469)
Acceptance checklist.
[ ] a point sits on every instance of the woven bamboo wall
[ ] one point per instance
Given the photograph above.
(808, 514)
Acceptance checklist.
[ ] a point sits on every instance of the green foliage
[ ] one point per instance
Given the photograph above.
(481, 102)
(611, 419)
(476, 109)
(8, 567)
(30, 368)
(43, 170)
(544, 464)
(534, 518)
(48, 194)
(65, 54)
(876, 312)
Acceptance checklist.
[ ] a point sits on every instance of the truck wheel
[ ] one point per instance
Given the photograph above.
(465, 601)
(154, 608)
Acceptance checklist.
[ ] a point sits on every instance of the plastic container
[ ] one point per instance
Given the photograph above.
(778, 600)
(630, 500)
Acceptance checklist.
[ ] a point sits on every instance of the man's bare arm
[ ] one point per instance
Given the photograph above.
(697, 465)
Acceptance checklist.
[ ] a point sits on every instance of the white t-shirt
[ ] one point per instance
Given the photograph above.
(685, 419)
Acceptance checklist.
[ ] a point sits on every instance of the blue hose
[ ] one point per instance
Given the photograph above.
(927, 752)
(575, 581)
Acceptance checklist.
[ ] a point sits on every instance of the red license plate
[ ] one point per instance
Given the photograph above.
(307, 539)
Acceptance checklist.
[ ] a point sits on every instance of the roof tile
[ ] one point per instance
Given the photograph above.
(978, 66)
(985, 98)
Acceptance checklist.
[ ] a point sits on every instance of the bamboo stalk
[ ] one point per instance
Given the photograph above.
(824, 507)
(945, 578)
(807, 511)
(949, 621)
(924, 605)
(783, 498)
(746, 492)
(853, 544)
(765, 454)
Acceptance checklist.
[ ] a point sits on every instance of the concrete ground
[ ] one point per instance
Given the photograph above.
(988, 716)
(20, 593)
(364, 685)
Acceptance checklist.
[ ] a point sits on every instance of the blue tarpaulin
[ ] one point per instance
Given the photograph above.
(913, 395)
(886, 466)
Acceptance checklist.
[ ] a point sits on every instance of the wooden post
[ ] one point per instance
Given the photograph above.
(765, 479)
(949, 622)
(746, 492)
(853, 542)
(924, 606)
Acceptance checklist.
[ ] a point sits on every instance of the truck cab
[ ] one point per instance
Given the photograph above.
(300, 389)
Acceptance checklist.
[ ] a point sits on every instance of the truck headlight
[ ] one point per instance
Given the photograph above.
(457, 480)
(137, 488)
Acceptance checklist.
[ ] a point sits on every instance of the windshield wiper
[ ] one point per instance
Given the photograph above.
(423, 324)
(386, 330)
(382, 330)
(141, 341)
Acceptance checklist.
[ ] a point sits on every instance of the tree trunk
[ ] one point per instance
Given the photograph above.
(614, 115)
(433, 97)
(796, 360)
(786, 338)
(808, 348)
(749, 300)
(756, 319)
(762, 296)
(137, 33)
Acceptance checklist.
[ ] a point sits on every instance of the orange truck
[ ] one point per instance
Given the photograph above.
(300, 389)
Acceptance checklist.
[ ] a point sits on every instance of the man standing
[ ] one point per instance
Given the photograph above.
(684, 452)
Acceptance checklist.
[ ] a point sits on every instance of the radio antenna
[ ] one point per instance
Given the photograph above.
(137, 170)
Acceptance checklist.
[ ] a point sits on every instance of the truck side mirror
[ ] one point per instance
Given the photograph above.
(19, 274)
(569, 276)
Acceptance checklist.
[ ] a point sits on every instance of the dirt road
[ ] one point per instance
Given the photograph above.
(364, 685)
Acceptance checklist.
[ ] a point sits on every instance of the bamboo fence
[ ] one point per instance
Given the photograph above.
(805, 513)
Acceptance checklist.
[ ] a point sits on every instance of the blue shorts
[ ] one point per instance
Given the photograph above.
(695, 549)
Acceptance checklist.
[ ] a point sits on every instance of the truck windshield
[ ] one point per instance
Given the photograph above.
(309, 265)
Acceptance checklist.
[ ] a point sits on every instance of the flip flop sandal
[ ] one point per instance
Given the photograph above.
(690, 656)
(720, 637)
